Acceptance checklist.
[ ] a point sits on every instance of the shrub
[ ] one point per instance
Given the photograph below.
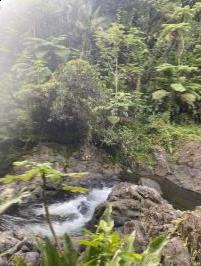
(103, 248)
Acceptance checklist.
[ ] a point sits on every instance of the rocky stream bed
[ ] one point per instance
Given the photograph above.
(150, 200)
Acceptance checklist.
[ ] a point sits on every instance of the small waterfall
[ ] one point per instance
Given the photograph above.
(70, 216)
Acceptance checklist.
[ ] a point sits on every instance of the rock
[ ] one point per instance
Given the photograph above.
(178, 174)
(162, 167)
(3, 262)
(185, 249)
(31, 258)
(16, 244)
(142, 209)
(190, 229)
(176, 253)
(83, 207)
(99, 171)
(97, 181)
(95, 162)
(150, 183)
(7, 241)
(131, 202)
(10, 150)
(6, 193)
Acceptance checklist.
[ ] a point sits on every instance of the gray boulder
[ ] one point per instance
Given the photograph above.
(142, 209)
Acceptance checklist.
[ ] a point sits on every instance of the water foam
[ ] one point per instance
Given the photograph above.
(73, 214)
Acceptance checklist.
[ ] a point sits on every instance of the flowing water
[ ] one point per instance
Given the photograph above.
(67, 216)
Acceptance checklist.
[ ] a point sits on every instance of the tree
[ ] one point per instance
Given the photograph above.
(109, 44)
(174, 36)
(79, 90)
(88, 21)
(122, 56)
(39, 59)
(34, 19)
(176, 85)
(177, 90)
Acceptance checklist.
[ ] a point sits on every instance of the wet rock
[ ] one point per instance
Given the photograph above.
(10, 150)
(16, 244)
(96, 181)
(150, 183)
(95, 163)
(83, 208)
(178, 174)
(176, 253)
(31, 258)
(190, 230)
(100, 172)
(131, 202)
(162, 167)
(61, 219)
(7, 241)
(3, 262)
(142, 209)
(185, 248)
(97, 166)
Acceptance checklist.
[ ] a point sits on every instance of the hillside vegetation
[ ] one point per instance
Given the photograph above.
(121, 74)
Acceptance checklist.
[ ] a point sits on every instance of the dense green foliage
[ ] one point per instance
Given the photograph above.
(102, 248)
(123, 74)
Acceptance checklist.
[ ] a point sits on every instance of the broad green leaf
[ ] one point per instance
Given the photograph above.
(132, 256)
(24, 163)
(70, 254)
(17, 200)
(74, 189)
(186, 69)
(113, 119)
(50, 255)
(76, 175)
(89, 243)
(116, 260)
(174, 28)
(129, 242)
(166, 68)
(159, 94)
(8, 179)
(105, 226)
(152, 255)
(29, 175)
(194, 86)
(178, 87)
(189, 98)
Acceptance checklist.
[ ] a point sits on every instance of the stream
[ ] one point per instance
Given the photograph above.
(67, 216)
(70, 215)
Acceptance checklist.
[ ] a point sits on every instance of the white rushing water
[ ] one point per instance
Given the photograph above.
(72, 215)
